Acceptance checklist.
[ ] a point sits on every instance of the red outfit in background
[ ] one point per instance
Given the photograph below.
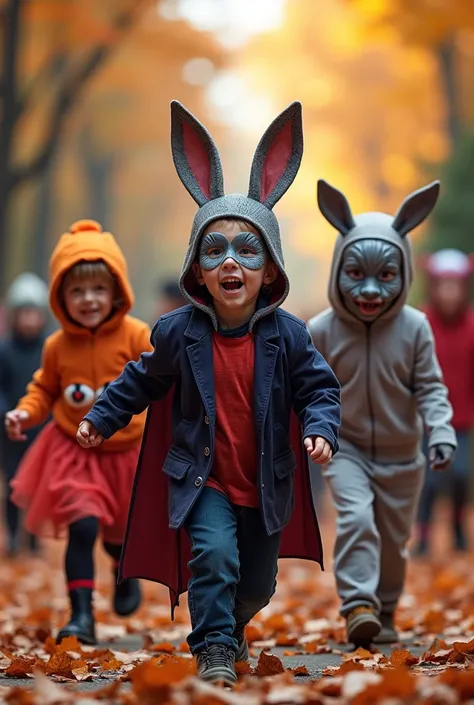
(454, 341)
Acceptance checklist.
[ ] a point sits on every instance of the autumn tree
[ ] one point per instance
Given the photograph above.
(444, 29)
(452, 223)
(72, 40)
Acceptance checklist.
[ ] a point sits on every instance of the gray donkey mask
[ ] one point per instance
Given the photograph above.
(372, 264)
(274, 167)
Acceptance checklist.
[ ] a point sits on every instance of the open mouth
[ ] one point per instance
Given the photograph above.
(232, 284)
(369, 308)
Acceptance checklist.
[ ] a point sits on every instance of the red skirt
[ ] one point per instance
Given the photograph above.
(58, 483)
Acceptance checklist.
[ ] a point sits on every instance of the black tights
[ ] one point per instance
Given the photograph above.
(79, 560)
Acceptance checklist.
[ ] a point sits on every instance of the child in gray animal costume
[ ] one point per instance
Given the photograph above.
(382, 352)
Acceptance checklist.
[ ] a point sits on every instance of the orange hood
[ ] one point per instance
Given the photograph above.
(85, 242)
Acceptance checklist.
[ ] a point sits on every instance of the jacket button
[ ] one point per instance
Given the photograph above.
(207, 451)
(206, 420)
(198, 481)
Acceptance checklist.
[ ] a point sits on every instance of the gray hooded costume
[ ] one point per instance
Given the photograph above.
(391, 386)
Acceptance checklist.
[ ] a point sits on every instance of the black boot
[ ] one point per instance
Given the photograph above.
(127, 596)
(460, 490)
(33, 545)
(82, 623)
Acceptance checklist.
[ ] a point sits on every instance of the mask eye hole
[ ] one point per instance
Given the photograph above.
(355, 273)
(387, 275)
(79, 395)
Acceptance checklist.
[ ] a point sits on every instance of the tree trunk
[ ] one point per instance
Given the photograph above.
(9, 108)
(98, 170)
(446, 54)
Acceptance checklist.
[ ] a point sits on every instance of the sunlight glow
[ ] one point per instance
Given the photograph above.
(234, 22)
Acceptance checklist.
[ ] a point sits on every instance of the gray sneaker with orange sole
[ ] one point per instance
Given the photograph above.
(362, 626)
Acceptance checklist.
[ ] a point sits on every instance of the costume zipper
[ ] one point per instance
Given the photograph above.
(369, 398)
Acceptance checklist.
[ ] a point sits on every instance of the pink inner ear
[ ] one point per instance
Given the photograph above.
(276, 161)
(198, 159)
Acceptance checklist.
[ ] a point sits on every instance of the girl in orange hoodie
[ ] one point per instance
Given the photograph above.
(64, 489)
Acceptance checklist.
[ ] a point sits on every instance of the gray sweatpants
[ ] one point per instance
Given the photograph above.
(376, 506)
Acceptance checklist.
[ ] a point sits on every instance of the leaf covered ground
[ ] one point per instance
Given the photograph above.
(432, 665)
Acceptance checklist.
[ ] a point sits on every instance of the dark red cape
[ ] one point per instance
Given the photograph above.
(155, 552)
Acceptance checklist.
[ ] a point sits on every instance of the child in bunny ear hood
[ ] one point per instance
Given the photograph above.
(383, 354)
(222, 487)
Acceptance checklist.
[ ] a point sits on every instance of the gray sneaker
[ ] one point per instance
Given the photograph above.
(388, 634)
(216, 664)
(362, 626)
(242, 653)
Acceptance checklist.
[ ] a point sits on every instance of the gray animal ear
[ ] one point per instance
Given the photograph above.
(415, 208)
(195, 156)
(277, 157)
(335, 207)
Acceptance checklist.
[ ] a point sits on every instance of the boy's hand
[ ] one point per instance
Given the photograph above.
(13, 424)
(319, 449)
(88, 436)
(441, 456)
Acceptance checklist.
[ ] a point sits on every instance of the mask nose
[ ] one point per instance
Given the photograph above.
(229, 263)
(370, 290)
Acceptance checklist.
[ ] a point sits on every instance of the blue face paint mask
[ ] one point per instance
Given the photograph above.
(245, 248)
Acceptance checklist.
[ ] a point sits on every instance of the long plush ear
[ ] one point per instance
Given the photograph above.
(415, 208)
(195, 156)
(278, 157)
(335, 207)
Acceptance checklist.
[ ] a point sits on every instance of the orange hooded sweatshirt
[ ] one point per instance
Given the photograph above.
(78, 362)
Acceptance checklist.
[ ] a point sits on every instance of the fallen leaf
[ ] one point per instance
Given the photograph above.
(402, 657)
(20, 668)
(243, 668)
(253, 633)
(299, 670)
(268, 665)
(359, 654)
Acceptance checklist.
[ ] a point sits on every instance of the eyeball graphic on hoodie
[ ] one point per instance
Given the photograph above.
(82, 395)
(79, 395)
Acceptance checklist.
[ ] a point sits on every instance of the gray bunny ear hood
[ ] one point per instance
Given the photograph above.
(274, 167)
(373, 226)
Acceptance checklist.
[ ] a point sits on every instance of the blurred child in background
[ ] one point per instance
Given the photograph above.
(20, 357)
(169, 297)
(448, 273)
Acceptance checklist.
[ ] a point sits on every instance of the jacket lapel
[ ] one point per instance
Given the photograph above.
(265, 360)
(200, 358)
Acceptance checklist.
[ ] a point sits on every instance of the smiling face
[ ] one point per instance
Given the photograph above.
(234, 265)
(370, 278)
(88, 294)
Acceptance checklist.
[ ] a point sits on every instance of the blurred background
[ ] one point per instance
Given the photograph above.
(387, 88)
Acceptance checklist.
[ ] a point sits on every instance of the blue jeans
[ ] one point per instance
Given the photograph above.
(234, 569)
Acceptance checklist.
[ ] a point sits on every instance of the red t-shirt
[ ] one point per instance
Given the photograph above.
(234, 470)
